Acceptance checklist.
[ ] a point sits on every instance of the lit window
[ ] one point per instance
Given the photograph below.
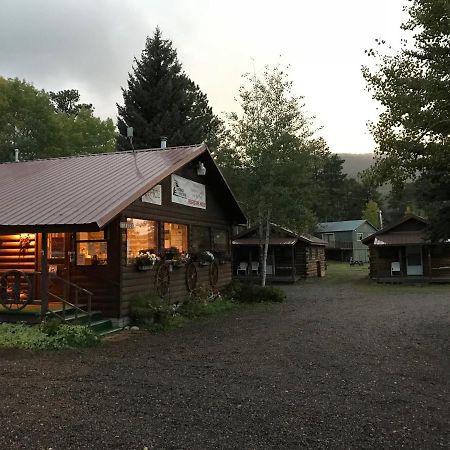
(175, 235)
(92, 248)
(56, 246)
(141, 237)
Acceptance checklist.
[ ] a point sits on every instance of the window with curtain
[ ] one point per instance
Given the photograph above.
(142, 237)
(176, 235)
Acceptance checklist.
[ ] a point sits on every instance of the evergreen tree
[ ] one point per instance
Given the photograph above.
(370, 213)
(413, 86)
(161, 100)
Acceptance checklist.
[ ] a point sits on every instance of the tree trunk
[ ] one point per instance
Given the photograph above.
(265, 249)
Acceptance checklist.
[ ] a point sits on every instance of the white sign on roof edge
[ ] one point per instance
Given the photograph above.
(154, 195)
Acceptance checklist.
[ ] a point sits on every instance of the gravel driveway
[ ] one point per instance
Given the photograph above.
(331, 368)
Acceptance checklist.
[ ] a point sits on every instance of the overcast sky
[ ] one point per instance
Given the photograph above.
(89, 45)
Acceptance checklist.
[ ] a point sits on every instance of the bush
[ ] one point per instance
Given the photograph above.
(252, 293)
(33, 337)
(148, 308)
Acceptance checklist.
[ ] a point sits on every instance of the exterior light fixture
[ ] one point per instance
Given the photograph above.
(201, 169)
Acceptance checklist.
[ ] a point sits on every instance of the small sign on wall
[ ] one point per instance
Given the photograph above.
(154, 195)
(188, 192)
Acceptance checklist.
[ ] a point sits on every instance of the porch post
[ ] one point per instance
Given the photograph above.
(44, 275)
(429, 262)
(401, 262)
(293, 264)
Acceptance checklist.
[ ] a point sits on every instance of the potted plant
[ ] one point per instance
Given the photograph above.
(171, 253)
(180, 260)
(146, 260)
(205, 258)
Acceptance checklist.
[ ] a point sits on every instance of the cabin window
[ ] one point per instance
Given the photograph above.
(175, 235)
(142, 236)
(92, 248)
(359, 236)
(56, 246)
(200, 239)
(220, 241)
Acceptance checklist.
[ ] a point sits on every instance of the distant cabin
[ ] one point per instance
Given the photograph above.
(402, 252)
(291, 256)
(344, 239)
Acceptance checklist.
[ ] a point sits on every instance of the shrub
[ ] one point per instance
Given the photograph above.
(251, 293)
(147, 309)
(50, 326)
(33, 337)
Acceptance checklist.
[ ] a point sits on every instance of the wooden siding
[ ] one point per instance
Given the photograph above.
(14, 256)
(216, 215)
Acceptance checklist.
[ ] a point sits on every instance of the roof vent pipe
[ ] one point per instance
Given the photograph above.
(16, 155)
(163, 142)
(380, 218)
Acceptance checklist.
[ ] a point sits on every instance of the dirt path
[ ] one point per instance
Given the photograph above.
(331, 368)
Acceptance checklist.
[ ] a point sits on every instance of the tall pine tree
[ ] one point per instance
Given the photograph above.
(161, 100)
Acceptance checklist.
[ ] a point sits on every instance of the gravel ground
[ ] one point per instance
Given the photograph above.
(331, 368)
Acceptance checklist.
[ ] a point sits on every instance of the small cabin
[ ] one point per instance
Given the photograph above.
(291, 256)
(402, 252)
(98, 230)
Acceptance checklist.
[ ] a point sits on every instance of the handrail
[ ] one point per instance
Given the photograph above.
(65, 302)
(69, 283)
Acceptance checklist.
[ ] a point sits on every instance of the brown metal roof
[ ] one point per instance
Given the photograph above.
(89, 189)
(401, 238)
(272, 241)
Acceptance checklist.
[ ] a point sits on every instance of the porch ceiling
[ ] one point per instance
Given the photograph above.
(401, 238)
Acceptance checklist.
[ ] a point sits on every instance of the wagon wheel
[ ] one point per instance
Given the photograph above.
(162, 280)
(15, 290)
(191, 276)
(213, 273)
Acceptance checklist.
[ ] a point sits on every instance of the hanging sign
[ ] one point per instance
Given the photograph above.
(154, 195)
(187, 192)
(126, 225)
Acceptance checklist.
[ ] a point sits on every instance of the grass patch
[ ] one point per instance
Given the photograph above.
(358, 276)
(46, 336)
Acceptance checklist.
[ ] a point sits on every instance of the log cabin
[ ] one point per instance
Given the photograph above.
(291, 256)
(74, 229)
(403, 253)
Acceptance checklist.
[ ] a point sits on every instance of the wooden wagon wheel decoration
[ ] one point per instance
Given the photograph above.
(213, 273)
(15, 290)
(162, 280)
(191, 276)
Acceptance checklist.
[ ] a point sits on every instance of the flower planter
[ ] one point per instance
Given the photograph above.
(144, 268)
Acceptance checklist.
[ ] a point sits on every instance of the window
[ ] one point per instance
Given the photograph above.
(220, 241)
(200, 239)
(141, 237)
(175, 235)
(56, 246)
(359, 236)
(92, 248)
(328, 237)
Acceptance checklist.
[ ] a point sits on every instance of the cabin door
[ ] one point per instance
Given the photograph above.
(414, 263)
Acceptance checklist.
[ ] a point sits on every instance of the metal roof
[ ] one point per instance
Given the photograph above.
(272, 241)
(343, 225)
(90, 189)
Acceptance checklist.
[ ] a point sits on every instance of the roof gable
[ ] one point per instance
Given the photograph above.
(89, 189)
(411, 228)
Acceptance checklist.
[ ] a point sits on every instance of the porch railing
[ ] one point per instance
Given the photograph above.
(75, 305)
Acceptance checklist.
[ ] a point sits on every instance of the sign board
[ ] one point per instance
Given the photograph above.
(126, 225)
(154, 195)
(187, 192)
